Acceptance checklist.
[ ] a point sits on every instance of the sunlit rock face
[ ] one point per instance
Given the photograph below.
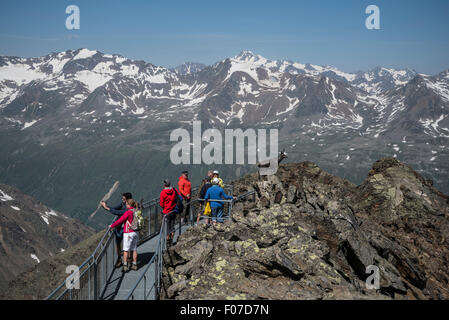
(312, 235)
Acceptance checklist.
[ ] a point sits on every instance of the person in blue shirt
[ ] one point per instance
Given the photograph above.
(216, 193)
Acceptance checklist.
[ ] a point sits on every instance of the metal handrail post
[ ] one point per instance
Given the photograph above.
(149, 222)
(88, 283)
(106, 264)
(179, 224)
(95, 280)
(156, 278)
(191, 212)
(230, 210)
(157, 218)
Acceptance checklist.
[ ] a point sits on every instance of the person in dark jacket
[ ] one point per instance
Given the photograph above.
(203, 182)
(207, 184)
(118, 211)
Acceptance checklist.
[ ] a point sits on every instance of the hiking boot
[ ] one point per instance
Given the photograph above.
(134, 267)
(118, 264)
(125, 268)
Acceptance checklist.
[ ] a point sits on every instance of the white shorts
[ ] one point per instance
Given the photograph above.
(130, 241)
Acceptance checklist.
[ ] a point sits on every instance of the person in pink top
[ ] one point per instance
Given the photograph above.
(130, 237)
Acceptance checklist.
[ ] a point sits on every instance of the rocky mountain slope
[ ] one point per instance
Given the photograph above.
(77, 110)
(188, 68)
(39, 281)
(31, 232)
(312, 235)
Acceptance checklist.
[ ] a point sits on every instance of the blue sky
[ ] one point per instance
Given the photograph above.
(413, 33)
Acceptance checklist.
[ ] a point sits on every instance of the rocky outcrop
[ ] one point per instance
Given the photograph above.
(311, 235)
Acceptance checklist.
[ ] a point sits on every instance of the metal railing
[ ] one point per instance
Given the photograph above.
(96, 271)
(150, 280)
(197, 205)
(93, 273)
(149, 283)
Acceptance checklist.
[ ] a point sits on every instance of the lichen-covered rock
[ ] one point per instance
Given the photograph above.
(311, 235)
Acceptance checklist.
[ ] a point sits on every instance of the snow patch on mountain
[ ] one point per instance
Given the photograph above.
(432, 127)
(84, 54)
(104, 67)
(158, 78)
(92, 80)
(51, 212)
(46, 215)
(20, 73)
(58, 64)
(29, 124)
(33, 256)
(439, 87)
(4, 197)
(246, 88)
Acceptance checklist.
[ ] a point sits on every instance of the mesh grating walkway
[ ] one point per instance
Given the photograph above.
(120, 284)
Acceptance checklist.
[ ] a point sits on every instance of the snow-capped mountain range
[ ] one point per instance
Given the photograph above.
(89, 100)
(247, 89)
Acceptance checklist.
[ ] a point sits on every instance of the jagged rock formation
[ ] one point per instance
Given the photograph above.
(312, 235)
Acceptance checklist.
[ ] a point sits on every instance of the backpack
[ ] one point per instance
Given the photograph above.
(138, 221)
(179, 202)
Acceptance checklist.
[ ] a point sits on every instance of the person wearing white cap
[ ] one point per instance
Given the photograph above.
(216, 174)
(216, 193)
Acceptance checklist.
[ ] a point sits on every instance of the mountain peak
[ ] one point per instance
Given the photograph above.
(84, 53)
(189, 67)
(247, 56)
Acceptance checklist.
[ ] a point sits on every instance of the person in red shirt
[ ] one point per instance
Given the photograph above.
(185, 187)
(130, 237)
(167, 201)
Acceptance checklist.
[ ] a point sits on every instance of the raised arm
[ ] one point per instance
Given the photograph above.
(117, 207)
(116, 211)
(119, 221)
